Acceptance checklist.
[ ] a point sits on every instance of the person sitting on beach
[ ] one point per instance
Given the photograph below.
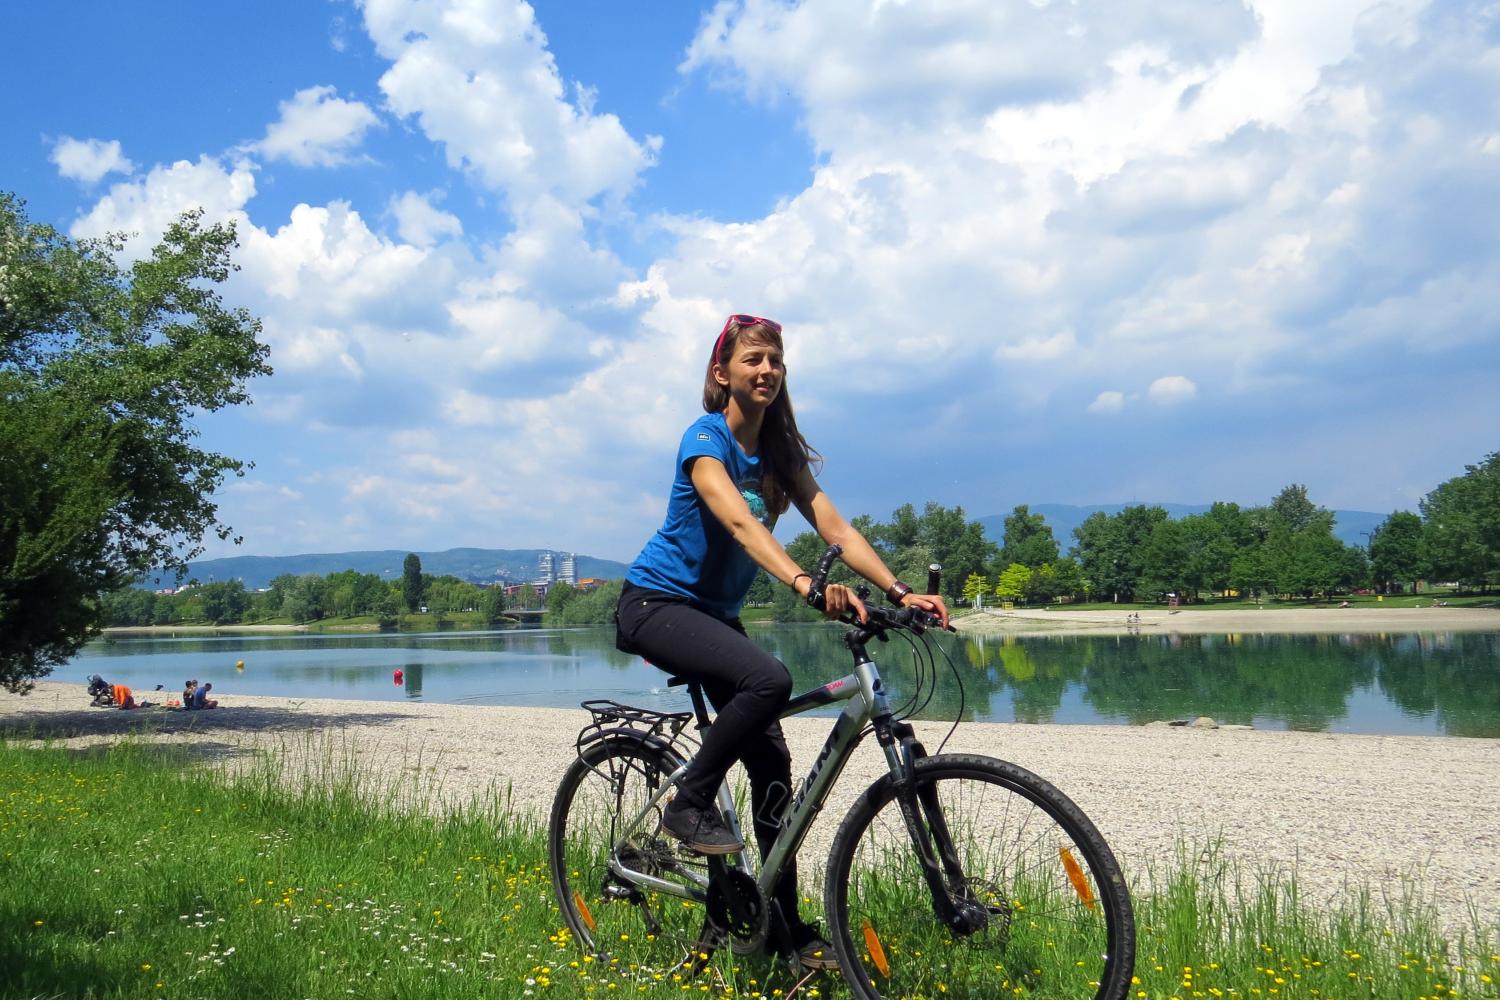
(201, 699)
(124, 698)
(101, 692)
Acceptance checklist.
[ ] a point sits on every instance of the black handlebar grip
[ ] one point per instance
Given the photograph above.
(934, 572)
(820, 578)
(825, 565)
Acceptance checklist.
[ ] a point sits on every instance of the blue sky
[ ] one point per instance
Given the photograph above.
(1024, 251)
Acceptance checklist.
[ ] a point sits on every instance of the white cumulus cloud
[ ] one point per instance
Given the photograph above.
(422, 223)
(317, 128)
(478, 78)
(1109, 401)
(145, 206)
(87, 160)
(1172, 389)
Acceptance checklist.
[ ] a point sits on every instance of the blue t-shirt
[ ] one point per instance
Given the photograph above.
(693, 555)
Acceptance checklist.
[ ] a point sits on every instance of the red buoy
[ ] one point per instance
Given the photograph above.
(398, 676)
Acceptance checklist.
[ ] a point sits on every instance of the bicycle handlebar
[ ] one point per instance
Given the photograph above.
(880, 619)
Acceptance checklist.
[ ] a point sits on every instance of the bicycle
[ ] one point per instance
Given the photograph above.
(952, 875)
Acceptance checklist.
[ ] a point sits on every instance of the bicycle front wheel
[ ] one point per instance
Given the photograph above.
(642, 935)
(1043, 904)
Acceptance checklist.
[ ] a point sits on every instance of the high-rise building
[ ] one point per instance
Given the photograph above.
(547, 568)
(569, 573)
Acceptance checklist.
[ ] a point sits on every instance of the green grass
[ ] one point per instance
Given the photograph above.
(133, 873)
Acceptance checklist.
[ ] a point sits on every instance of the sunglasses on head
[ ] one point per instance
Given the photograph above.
(743, 319)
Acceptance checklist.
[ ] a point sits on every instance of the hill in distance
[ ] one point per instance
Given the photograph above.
(1352, 527)
(475, 565)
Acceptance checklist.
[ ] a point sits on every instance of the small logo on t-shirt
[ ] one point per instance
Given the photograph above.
(703, 436)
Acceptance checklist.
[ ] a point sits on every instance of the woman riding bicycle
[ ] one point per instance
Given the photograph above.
(738, 468)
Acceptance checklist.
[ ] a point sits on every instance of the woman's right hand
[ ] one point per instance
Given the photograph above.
(838, 600)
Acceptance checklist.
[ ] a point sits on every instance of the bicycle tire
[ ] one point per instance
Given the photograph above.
(1055, 908)
(638, 935)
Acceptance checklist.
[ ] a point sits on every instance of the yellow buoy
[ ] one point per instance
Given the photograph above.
(239, 664)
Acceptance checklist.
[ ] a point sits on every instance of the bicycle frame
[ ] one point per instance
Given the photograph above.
(865, 693)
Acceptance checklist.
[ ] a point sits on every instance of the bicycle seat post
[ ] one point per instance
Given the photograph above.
(695, 692)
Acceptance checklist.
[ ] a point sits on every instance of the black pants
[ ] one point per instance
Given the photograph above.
(747, 686)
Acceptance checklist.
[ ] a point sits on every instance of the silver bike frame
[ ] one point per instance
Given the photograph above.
(867, 700)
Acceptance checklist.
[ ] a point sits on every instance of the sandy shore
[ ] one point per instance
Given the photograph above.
(1186, 621)
(1378, 810)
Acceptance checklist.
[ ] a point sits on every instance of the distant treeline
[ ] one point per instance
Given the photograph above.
(1284, 549)
(305, 598)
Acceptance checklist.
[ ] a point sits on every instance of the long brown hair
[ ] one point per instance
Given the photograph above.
(783, 451)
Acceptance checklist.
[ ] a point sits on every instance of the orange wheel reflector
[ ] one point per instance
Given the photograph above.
(1076, 876)
(583, 910)
(877, 953)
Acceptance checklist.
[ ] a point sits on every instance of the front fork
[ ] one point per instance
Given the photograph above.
(928, 828)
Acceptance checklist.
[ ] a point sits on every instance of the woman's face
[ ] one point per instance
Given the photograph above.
(756, 372)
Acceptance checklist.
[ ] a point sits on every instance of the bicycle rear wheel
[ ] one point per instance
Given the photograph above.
(1050, 914)
(640, 935)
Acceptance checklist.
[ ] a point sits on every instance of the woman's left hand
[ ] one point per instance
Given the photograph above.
(930, 603)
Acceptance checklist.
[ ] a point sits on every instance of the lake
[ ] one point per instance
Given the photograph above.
(1422, 684)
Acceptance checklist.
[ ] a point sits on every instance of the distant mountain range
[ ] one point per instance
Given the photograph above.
(474, 565)
(1351, 527)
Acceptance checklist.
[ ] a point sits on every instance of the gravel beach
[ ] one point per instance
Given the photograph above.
(1387, 812)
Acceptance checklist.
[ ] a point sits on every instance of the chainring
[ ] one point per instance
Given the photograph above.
(737, 907)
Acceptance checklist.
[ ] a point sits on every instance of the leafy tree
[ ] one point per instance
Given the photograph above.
(975, 586)
(1292, 510)
(558, 596)
(1234, 523)
(1462, 537)
(102, 367)
(1354, 569)
(1011, 586)
(492, 603)
(412, 589)
(1164, 562)
(1112, 549)
(1028, 539)
(387, 609)
(760, 590)
(128, 606)
(1041, 585)
(1318, 563)
(1209, 550)
(901, 532)
(1252, 572)
(1069, 577)
(223, 601)
(1396, 551)
(589, 607)
(947, 537)
(527, 597)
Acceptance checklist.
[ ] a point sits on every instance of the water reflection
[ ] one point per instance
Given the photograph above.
(1444, 683)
